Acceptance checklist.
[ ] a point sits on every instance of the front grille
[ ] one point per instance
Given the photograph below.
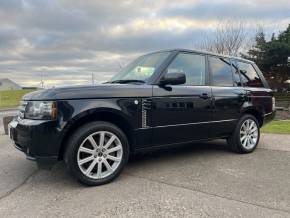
(22, 107)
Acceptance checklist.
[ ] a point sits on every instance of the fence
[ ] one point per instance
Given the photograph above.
(282, 100)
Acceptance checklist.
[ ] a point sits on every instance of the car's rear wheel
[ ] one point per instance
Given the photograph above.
(96, 153)
(246, 136)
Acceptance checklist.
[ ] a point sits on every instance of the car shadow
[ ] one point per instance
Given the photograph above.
(59, 176)
(187, 149)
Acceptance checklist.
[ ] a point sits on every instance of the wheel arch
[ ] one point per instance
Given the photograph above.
(256, 113)
(105, 114)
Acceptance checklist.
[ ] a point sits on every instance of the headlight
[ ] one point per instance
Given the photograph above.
(40, 110)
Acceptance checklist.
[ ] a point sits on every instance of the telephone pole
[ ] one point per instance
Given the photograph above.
(93, 79)
(41, 80)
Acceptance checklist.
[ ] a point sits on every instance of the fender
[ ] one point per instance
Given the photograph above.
(256, 111)
(73, 111)
(249, 106)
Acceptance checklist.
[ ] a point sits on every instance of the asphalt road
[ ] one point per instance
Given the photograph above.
(198, 180)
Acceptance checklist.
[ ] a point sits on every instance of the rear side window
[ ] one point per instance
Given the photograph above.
(249, 75)
(221, 72)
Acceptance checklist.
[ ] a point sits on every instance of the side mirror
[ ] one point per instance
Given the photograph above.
(173, 79)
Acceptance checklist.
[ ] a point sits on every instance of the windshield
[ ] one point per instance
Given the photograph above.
(142, 68)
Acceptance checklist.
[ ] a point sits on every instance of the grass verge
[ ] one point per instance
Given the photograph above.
(276, 126)
(11, 98)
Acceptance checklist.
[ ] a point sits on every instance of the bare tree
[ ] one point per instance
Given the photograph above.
(228, 39)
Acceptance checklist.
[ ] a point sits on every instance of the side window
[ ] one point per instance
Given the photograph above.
(221, 72)
(236, 76)
(192, 65)
(249, 75)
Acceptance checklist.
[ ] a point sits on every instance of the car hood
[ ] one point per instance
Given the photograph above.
(86, 92)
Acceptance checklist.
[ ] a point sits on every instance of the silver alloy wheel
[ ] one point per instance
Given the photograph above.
(249, 134)
(100, 154)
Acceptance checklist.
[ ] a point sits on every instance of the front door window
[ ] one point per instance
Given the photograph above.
(192, 65)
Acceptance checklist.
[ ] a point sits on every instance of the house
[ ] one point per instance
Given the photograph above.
(7, 84)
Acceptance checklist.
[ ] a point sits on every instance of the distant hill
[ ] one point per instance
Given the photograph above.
(7, 84)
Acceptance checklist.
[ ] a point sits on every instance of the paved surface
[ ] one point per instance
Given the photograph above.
(200, 180)
(4, 113)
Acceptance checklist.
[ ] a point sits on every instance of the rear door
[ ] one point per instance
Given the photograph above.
(228, 95)
(182, 112)
(259, 97)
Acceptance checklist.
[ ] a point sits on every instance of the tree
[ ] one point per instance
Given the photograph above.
(273, 37)
(257, 52)
(276, 58)
(228, 39)
(272, 57)
(284, 37)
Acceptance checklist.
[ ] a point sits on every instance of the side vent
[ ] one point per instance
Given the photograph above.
(146, 105)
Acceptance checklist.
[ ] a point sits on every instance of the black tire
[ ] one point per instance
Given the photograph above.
(234, 140)
(75, 141)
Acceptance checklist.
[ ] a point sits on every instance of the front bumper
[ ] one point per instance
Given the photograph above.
(37, 139)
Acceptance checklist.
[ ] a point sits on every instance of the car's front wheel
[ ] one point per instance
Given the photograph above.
(246, 136)
(96, 153)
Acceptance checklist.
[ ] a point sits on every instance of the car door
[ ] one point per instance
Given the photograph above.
(182, 113)
(258, 96)
(228, 95)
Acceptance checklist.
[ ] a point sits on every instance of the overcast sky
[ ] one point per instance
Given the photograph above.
(67, 40)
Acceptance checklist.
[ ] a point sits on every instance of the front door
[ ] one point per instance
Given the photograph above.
(182, 113)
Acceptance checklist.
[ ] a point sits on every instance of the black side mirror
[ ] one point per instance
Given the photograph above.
(173, 79)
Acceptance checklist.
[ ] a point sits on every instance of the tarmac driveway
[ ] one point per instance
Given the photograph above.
(198, 180)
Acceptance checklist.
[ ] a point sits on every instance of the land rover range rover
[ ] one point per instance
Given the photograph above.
(162, 98)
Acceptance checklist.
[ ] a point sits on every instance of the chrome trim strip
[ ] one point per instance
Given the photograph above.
(263, 96)
(186, 124)
(144, 117)
(268, 114)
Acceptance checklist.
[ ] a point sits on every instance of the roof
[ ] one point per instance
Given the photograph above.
(205, 53)
(5, 80)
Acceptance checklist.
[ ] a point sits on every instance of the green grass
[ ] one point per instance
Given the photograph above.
(11, 98)
(280, 127)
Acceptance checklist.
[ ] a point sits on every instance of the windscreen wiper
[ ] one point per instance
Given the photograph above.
(123, 81)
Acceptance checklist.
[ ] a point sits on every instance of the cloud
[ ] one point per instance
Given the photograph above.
(234, 10)
(67, 40)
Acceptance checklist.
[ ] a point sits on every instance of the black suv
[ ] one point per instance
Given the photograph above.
(162, 98)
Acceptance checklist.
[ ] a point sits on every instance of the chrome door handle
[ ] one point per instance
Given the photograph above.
(204, 96)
